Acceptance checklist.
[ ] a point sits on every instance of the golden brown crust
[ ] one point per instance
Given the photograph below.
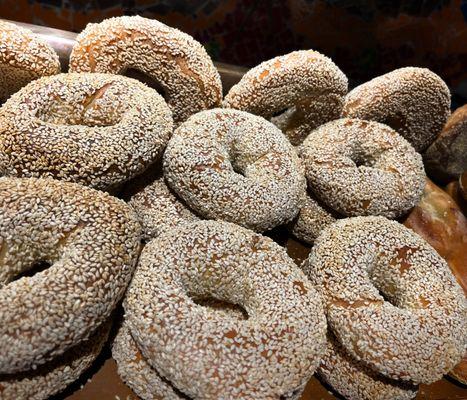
(95, 129)
(176, 61)
(446, 158)
(90, 240)
(306, 86)
(442, 224)
(23, 58)
(413, 101)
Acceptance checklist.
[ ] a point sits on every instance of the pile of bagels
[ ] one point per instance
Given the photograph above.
(163, 196)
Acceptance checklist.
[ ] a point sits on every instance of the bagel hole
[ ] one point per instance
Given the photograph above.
(279, 113)
(359, 163)
(385, 297)
(237, 168)
(386, 289)
(37, 267)
(217, 305)
(289, 395)
(142, 77)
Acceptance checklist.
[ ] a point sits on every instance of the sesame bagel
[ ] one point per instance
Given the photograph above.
(144, 380)
(95, 129)
(305, 86)
(91, 242)
(311, 220)
(413, 101)
(56, 375)
(177, 62)
(417, 331)
(237, 167)
(136, 371)
(355, 381)
(23, 58)
(360, 167)
(158, 209)
(273, 352)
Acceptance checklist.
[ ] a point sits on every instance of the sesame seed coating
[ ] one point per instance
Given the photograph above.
(417, 331)
(95, 129)
(159, 209)
(23, 58)
(137, 373)
(358, 167)
(355, 381)
(179, 64)
(56, 375)
(237, 167)
(312, 219)
(207, 356)
(413, 101)
(306, 86)
(91, 241)
(144, 380)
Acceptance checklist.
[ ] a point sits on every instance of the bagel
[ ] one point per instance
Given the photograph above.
(237, 167)
(413, 101)
(390, 299)
(355, 381)
(90, 239)
(273, 352)
(440, 221)
(304, 87)
(311, 220)
(360, 167)
(144, 380)
(177, 62)
(23, 58)
(54, 376)
(159, 209)
(445, 159)
(94, 129)
(135, 370)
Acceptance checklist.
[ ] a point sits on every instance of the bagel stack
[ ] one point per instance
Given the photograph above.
(213, 307)
(397, 316)
(271, 353)
(54, 323)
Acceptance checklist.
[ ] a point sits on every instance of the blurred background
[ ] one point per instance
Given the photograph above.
(364, 38)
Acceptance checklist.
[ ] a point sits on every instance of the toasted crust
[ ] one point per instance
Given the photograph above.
(92, 242)
(305, 83)
(178, 63)
(413, 101)
(95, 129)
(23, 58)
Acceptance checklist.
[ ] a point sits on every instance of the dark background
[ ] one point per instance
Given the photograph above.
(364, 38)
